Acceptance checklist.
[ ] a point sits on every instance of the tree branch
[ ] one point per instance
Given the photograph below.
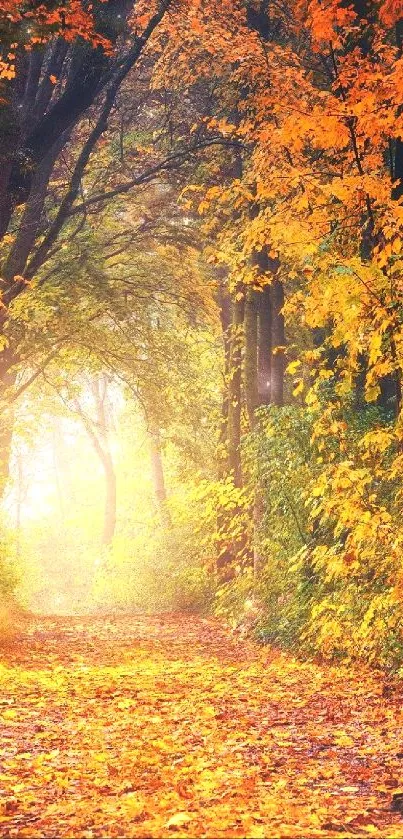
(165, 165)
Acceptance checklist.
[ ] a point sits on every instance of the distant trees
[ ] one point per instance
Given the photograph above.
(97, 423)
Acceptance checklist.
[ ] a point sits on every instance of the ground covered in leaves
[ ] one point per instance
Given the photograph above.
(168, 727)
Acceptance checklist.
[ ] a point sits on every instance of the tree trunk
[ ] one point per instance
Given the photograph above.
(31, 219)
(225, 553)
(6, 205)
(258, 512)
(8, 376)
(251, 355)
(9, 140)
(264, 347)
(224, 302)
(234, 413)
(264, 373)
(98, 433)
(278, 343)
(110, 500)
(397, 193)
(157, 470)
(100, 390)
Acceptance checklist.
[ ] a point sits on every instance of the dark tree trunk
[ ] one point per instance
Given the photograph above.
(224, 302)
(6, 205)
(235, 402)
(31, 219)
(397, 190)
(278, 343)
(264, 367)
(9, 142)
(391, 386)
(225, 551)
(271, 332)
(251, 355)
(390, 398)
(359, 382)
(264, 347)
(8, 377)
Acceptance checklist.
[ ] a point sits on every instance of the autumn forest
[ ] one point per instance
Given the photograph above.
(201, 419)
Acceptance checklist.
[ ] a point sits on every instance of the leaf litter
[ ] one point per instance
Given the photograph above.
(169, 726)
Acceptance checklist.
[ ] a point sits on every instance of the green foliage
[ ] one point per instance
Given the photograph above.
(10, 569)
(11, 575)
(279, 466)
(330, 577)
(233, 600)
(155, 570)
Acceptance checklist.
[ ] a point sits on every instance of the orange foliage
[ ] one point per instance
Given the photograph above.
(36, 24)
(168, 727)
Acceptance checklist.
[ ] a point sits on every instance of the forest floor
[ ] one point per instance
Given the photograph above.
(169, 727)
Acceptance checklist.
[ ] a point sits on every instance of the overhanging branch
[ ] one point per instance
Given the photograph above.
(163, 166)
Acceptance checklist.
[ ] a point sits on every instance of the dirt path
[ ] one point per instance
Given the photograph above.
(164, 726)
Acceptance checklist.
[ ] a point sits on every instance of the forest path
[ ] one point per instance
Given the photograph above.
(168, 727)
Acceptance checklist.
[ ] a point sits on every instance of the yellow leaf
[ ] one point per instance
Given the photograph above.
(372, 393)
(293, 367)
(298, 388)
(397, 245)
(134, 804)
(179, 819)
(9, 714)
